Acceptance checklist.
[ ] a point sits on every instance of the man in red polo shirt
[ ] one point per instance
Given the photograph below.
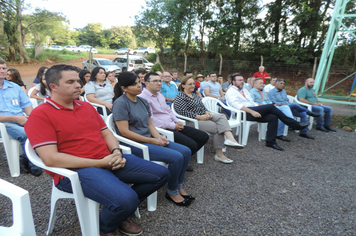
(261, 73)
(70, 134)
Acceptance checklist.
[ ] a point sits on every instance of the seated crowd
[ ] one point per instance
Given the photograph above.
(69, 133)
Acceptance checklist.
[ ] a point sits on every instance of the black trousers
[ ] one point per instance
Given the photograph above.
(193, 138)
(271, 114)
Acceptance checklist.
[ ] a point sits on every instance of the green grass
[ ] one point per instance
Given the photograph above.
(54, 55)
(105, 50)
(342, 121)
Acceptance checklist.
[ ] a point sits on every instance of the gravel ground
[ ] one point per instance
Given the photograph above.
(308, 189)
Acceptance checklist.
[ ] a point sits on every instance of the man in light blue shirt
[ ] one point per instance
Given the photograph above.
(169, 90)
(279, 96)
(213, 89)
(13, 103)
(259, 96)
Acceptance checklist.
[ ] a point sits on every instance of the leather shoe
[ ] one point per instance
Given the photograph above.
(330, 129)
(188, 197)
(226, 161)
(24, 164)
(322, 129)
(306, 136)
(185, 202)
(34, 170)
(314, 114)
(189, 169)
(130, 228)
(115, 233)
(275, 146)
(283, 138)
(301, 125)
(233, 144)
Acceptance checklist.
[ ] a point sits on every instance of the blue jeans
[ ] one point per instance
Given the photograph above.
(109, 188)
(16, 131)
(300, 111)
(286, 111)
(169, 103)
(175, 155)
(322, 110)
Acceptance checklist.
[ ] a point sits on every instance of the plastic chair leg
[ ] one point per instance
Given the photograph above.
(200, 155)
(152, 202)
(13, 158)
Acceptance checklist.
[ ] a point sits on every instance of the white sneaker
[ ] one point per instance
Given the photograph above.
(233, 144)
(227, 161)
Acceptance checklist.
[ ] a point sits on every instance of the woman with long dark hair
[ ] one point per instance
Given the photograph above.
(38, 76)
(14, 76)
(98, 90)
(132, 116)
(84, 76)
(40, 91)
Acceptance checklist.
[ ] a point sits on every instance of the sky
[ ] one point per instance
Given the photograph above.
(80, 13)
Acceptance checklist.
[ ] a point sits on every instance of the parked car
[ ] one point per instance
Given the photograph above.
(144, 50)
(86, 48)
(71, 48)
(148, 65)
(134, 63)
(102, 62)
(29, 46)
(56, 47)
(165, 50)
(124, 51)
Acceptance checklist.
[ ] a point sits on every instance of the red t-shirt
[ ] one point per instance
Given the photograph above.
(76, 132)
(197, 84)
(263, 75)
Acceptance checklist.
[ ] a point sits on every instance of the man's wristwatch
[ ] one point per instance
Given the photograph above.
(112, 151)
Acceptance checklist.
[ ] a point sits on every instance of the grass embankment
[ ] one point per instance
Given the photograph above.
(105, 51)
(53, 55)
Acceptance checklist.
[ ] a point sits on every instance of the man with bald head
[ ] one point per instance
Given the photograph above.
(261, 73)
(307, 95)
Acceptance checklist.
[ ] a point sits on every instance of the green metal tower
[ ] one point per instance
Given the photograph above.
(336, 26)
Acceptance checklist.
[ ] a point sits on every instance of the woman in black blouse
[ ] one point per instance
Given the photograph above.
(189, 104)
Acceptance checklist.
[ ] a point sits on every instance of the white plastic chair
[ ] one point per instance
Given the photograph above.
(311, 118)
(33, 100)
(21, 211)
(152, 199)
(234, 121)
(87, 209)
(12, 150)
(261, 127)
(200, 153)
(103, 108)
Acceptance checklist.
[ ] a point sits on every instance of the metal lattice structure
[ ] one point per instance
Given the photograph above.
(336, 26)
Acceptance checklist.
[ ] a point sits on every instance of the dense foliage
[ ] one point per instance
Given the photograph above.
(290, 31)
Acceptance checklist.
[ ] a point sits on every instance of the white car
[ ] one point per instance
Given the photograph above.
(86, 48)
(56, 47)
(71, 48)
(102, 62)
(144, 50)
(124, 51)
(134, 63)
(148, 65)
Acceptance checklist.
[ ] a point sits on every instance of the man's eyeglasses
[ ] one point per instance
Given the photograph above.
(157, 81)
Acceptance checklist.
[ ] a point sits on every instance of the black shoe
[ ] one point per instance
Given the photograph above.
(322, 129)
(188, 197)
(184, 203)
(314, 114)
(301, 125)
(275, 146)
(306, 136)
(329, 128)
(189, 169)
(35, 170)
(283, 138)
(24, 165)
